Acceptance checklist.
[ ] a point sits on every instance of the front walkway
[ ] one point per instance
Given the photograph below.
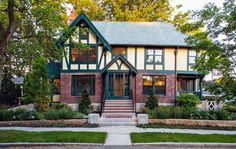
(120, 135)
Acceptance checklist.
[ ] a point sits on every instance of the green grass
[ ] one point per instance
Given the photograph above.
(52, 136)
(176, 126)
(180, 137)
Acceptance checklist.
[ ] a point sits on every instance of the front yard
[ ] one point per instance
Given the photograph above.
(181, 137)
(52, 136)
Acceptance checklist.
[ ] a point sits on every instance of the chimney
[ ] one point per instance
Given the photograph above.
(72, 16)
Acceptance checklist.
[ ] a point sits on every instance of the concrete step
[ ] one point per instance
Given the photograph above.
(117, 108)
(117, 123)
(118, 115)
(118, 105)
(119, 100)
(117, 111)
(117, 120)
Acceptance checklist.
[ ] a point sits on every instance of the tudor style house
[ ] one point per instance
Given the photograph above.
(125, 61)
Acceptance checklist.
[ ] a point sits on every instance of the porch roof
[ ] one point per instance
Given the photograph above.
(124, 60)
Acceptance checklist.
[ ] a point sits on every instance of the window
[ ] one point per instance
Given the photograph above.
(120, 50)
(192, 57)
(74, 55)
(186, 85)
(79, 83)
(88, 56)
(154, 56)
(154, 83)
(57, 86)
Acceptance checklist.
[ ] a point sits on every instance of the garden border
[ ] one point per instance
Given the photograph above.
(190, 122)
(47, 123)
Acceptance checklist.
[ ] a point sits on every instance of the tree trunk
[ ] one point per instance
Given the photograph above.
(2, 47)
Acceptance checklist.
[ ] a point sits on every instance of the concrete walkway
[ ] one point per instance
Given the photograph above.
(120, 135)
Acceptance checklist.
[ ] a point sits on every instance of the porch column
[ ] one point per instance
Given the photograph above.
(200, 86)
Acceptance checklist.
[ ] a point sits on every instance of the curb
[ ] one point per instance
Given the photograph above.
(45, 144)
(190, 144)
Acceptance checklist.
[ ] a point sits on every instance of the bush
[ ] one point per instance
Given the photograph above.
(181, 113)
(18, 114)
(59, 105)
(152, 101)
(230, 107)
(188, 101)
(211, 115)
(55, 114)
(85, 103)
(211, 98)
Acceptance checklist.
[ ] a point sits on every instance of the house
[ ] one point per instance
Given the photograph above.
(125, 61)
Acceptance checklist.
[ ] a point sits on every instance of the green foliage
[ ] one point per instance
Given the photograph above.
(217, 54)
(212, 115)
(188, 101)
(230, 107)
(152, 101)
(18, 114)
(211, 98)
(7, 90)
(55, 114)
(36, 86)
(85, 103)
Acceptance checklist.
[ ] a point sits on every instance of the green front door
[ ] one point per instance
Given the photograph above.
(118, 85)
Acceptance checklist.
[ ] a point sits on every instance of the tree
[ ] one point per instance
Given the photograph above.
(36, 85)
(29, 28)
(7, 91)
(84, 103)
(152, 102)
(217, 45)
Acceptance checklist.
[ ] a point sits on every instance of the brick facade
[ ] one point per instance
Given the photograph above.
(137, 83)
(65, 95)
(169, 98)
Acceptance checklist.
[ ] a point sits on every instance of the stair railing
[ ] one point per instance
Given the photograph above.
(133, 100)
(103, 102)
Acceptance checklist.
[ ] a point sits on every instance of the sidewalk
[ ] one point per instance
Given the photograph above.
(120, 135)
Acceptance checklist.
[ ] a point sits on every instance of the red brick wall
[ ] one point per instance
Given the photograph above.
(65, 95)
(170, 88)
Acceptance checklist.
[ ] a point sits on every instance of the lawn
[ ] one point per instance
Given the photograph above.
(181, 137)
(52, 136)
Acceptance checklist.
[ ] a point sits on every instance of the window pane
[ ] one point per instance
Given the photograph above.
(160, 85)
(158, 59)
(192, 60)
(147, 84)
(92, 54)
(190, 85)
(192, 53)
(158, 52)
(82, 56)
(150, 58)
(150, 52)
(120, 50)
(79, 83)
(75, 55)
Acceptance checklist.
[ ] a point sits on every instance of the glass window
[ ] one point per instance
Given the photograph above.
(74, 55)
(120, 50)
(154, 56)
(79, 83)
(154, 83)
(185, 85)
(88, 56)
(192, 57)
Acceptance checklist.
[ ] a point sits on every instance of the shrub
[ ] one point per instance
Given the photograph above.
(55, 114)
(188, 101)
(222, 114)
(211, 98)
(152, 101)
(85, 103)
(58, 105)
(230, 107)
(181, 113)
(163, 112)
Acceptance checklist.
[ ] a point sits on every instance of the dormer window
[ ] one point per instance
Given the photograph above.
(88, 56)
(120, 51)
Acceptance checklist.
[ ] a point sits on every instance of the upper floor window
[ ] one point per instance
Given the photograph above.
(120, 51)
(155, 84)
(74, 55)
(192, 57)
(88, 55)
(154, 56)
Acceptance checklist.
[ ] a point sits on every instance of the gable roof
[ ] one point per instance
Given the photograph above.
(82, 17)
(141, 33)
(124, 60)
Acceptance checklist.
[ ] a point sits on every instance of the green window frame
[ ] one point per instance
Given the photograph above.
(154, 56)
(155, 83)
(80, 82)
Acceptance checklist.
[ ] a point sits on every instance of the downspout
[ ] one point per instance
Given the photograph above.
(175, 52)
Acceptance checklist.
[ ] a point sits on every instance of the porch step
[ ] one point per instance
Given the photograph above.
(117, 111)
(118, 108)
(118, 115)
(117, 122)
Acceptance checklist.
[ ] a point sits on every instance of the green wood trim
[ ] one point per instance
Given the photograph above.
(100, 61)
(135, 57)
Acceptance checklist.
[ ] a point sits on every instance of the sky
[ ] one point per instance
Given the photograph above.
(194, 4)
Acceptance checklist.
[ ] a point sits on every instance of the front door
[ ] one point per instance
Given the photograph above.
(118, 85)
